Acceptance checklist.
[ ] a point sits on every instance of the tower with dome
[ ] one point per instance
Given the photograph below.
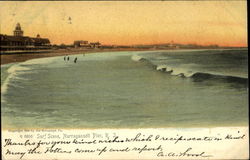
(18, 32)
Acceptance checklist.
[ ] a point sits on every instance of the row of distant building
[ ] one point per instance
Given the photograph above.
(19, 42)
(86, 44)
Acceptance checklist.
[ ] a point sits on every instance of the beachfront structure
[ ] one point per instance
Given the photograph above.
(81, 43)
(86, 44)
(21, 43)
(95, 45)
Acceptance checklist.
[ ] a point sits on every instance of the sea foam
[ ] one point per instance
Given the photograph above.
(136, 58)
(12, 72)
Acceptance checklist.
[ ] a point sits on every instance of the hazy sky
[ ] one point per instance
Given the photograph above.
(209, 22)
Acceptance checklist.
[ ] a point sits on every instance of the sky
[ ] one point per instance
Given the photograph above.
(127, 23)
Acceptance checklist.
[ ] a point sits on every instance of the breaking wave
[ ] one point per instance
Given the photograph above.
(15, 70)
(199, 77)
(13, 73)
(187, 72)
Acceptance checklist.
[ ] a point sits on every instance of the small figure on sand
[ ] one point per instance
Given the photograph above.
(75, 60)
(64, 58)
(68, 58)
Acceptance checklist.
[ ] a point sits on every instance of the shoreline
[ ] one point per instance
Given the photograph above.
(21, 57)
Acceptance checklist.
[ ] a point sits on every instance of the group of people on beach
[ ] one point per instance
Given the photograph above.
(66, 58)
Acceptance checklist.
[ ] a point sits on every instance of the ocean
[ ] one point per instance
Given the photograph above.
(140, 89)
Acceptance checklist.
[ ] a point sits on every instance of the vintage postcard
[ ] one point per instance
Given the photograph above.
(124, 80)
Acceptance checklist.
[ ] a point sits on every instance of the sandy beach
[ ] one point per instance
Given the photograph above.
(21, 57)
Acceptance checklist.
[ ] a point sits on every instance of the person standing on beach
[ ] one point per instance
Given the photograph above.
(75, 60)
(68, 58)
(64, 58)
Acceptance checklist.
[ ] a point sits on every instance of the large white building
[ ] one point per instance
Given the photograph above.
(20, 42)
